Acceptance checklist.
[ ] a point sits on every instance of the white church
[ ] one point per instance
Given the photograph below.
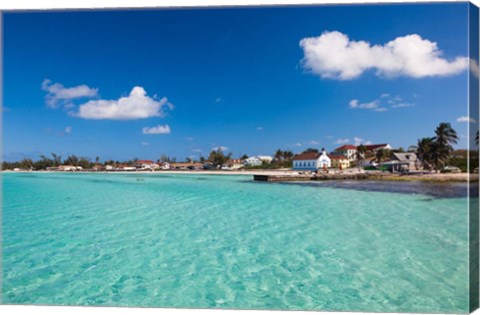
(311, 161)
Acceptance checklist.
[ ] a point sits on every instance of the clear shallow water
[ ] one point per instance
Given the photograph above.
(206, 241)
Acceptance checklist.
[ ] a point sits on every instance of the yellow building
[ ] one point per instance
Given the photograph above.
(340, 162)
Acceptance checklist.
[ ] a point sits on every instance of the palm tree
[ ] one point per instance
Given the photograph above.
(381, 154)
(288, 155)
(360, 155)
(423, 150)
(278, 156)
(57, 159)
(445, 136)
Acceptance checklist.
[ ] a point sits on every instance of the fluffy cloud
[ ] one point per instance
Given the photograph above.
(466, 119)
(356, 104)
(136, 105)
(145, 144)
(58, 95)
(60, 133)
(381, 103)
(157, 130)
(358, 141)
(342, 141)
(313, 142)
(333, 55)
(221, 148)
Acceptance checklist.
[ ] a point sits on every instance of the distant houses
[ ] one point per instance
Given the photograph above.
(146, 165)
(258, 160)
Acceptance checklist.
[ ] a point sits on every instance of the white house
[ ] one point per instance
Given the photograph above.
(349, 151)
(146, 165)
(311, 161)
(258, 160)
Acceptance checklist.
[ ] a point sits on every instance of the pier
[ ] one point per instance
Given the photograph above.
(303, 178)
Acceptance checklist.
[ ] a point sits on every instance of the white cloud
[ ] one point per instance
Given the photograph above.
(381, 103)
(358, 140)
(66, 131)
(259, 128)
(58, 95)
(356, 104)
(136, 105)
(196, 150)
(313, 142)
(333, 55)
(342, 141)
(466, 119)
(298, 144)
(157, 130)
(402, 105)
(145, 144)
(221, 148)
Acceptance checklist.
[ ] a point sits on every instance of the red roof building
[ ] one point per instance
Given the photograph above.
(306, 156)
(346, 147)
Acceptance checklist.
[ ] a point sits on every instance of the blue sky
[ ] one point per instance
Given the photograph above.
(126, 84)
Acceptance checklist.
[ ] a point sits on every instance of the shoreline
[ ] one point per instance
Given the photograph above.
(429, 177)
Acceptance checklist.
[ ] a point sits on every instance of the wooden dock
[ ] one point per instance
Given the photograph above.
(304, 178)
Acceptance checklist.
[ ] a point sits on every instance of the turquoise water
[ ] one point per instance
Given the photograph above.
(210, 241)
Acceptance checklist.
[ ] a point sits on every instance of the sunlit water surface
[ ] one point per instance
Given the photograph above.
(210, 241)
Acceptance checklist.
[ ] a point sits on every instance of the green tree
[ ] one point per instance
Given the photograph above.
(218, 157)
(71, 160)
(57, 159)
(26, 164)
(381, 155)
(424, 150)
(360, 155)
(445, 137)
(278, 157)
(311, 150)
(84, 163)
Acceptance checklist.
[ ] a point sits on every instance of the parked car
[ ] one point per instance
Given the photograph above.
(451, 169)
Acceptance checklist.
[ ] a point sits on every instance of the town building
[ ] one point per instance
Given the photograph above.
(409, 159)
(311, 161)
(146, 165)
(349, 151)
(340, 161)
(258, 160)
